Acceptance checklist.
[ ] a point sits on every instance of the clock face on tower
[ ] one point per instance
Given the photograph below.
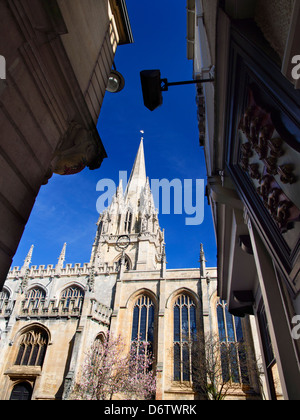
(123, 242)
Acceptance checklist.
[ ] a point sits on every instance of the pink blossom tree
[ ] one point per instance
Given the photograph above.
(109, 371)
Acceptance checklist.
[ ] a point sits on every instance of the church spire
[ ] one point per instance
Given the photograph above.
(138, 177)
(62, 257)
(133, 217)
(25, 271)
(27, 260)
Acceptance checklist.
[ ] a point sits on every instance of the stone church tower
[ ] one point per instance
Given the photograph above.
(50, 316)
(130, 223)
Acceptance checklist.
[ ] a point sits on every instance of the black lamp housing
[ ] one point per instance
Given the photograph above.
(151, 87)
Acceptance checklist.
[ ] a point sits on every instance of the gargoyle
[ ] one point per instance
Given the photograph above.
(78, 150)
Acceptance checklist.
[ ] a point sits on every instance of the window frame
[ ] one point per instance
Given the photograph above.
(72, 293)
(232, 369)
(183, 300)
(35, 298)
(32, 348)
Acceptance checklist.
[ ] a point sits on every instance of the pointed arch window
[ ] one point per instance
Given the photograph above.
(233, 354)
(21, 392)
(128, 222)
(143, 322)
(72, 298)
(98, 347)
(4, 300)
(35, 298)
(127, 263)
(32, 348)
(185, 332)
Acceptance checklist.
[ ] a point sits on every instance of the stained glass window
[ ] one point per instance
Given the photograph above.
(143, 321)
(72, 295)
(35, 298)
(233, 355)
(32, 348)
(185, 331)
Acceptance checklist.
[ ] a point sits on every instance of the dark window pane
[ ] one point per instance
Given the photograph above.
(176, 323)
(234, 363)
(185, 324)
(186, 363)
(221, 324)
(239, 329)
(41, 356)
(27, 355)
(224, 362)
(151, 324)
(177, 363)
(243, 365)
(143, 323)
(230, 329)
(193, 323)
(135, 324)
(269, 354)
(34, 355)
(20, 354)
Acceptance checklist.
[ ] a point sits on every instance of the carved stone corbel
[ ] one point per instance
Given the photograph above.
(245, 163)
(264, 135)
(254, 171)
(247, 150)
(286, 174)
(271, 165)
(265, 186)
(78, 150)
(282, 216)
(275, 146)
(273, 200)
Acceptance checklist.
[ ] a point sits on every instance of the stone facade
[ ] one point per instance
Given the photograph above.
(67, 306)
(245, 120)
(58, 56)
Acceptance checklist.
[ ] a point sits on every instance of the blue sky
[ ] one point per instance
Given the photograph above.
(65, 210)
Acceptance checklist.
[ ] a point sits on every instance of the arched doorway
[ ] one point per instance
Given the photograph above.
(21, 392)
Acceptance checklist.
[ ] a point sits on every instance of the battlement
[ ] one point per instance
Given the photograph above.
(53, 309)
(37, 272)
(49, 271)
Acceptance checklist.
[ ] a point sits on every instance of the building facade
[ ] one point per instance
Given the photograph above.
(50, 316)
(58, 56)
(250, 129)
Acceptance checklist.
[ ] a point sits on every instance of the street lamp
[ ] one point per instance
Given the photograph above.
(116, 82)
(153, 86)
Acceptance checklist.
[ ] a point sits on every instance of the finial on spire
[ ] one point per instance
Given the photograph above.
(120, 188)
(25, 269)
(62, 257)
(27, 260)
(202, 261)
(138, 177)
(163, 263)
(201, 250)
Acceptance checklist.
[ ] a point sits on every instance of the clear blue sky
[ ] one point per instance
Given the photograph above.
(65, 210)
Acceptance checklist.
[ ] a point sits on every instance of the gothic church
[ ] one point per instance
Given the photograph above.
(50, 316)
